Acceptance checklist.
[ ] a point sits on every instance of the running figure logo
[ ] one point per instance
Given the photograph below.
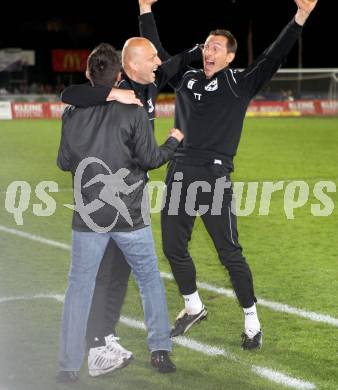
(114, 185)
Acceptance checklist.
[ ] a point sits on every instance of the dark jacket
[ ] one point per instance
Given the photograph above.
(84, 95)
(121, 136)
(210, 112)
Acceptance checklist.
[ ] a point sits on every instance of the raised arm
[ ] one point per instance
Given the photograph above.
(147, 153)
(253, 78)
(174, 67)
(148, 28)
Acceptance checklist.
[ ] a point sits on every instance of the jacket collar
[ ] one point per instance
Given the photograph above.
(137, 87)
(225, 69)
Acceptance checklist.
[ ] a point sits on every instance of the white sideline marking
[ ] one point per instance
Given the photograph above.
(33, 237)
(57, 297)
(282, 378)
(275, 306)
(206, 349)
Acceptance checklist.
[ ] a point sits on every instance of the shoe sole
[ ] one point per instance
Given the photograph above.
(202, 317)
(123, 364)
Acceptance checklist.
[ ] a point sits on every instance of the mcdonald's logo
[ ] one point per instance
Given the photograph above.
(72, 61)
(69, 60)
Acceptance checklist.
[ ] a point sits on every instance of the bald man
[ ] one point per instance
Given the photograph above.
(144, 74)
(140, 60)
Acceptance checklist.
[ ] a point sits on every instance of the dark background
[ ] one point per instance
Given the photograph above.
(181, 23)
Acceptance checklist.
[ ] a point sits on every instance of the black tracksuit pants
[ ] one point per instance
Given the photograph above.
(177, 229)
(110, 291)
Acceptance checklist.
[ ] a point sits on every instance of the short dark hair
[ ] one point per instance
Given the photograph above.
(103, 65)
(231, 40)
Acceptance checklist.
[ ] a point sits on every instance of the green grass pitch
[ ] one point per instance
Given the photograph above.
(294, 262)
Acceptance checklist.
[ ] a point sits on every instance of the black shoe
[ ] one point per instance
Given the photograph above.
(185, 321)
(67, 376)
(161, 361)
(254, 342)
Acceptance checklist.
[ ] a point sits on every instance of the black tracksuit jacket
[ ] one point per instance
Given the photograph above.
(210, 112)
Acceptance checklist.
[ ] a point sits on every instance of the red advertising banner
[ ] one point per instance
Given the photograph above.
(294, 108)
(28, 110)
(165, 108)
(37, 110)
(69, 60)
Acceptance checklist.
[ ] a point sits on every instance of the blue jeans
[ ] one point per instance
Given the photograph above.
(87, 252)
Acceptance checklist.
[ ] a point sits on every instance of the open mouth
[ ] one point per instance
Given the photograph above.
(209, 64)
(154, 70)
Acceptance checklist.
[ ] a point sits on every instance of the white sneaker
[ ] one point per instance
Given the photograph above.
(116, 348)
(102, 360)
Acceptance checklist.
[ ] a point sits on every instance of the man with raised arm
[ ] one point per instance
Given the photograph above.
(210, 108)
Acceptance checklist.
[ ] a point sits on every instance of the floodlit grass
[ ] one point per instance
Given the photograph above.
(294, 261)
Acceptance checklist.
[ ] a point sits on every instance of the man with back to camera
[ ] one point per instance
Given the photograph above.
(210, 109)
(140, 61)
(119, 140)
